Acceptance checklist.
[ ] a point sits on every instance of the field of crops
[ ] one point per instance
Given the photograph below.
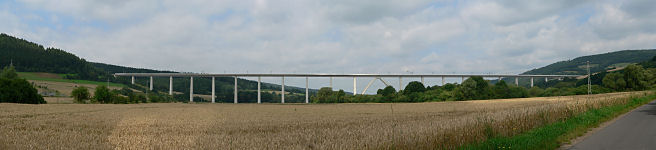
(275, 126)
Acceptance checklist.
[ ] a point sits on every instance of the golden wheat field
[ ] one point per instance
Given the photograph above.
(276, 126)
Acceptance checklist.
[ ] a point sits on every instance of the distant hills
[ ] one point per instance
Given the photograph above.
(598, 63)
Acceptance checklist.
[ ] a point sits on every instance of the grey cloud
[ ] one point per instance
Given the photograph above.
(339, 36)
(367, 11)
(511, 12)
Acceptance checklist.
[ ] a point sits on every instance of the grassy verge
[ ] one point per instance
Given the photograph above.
(32, 76)
(552, 135)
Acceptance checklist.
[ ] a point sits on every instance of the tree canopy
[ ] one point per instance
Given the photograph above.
(80, 94)
(17, 90)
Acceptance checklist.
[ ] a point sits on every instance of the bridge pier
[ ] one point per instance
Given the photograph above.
(442, 80)
(355, 87)
(259, 92)
(235, 95)
(422, 81)
(151, 83)
(191, 89)
(331, 83)
(132, 79)
(516, 81)
(307, 90)
(282, 98)
(170, 85)
(213, 90)
(531, 81)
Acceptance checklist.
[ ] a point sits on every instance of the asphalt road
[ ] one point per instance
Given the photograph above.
(634, 131)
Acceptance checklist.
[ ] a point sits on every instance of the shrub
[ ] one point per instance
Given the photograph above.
(80, 94)
(102, 94)
(17, 90)
(414, 87)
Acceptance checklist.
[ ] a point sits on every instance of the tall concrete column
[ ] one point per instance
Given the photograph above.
(355, 86)
(132, 79)
(191, 89)
(443, 81)
(259, 92)
(213, 91)
(499, 79)
(546, 79)
(235, 95)
(462, 80)
(331, 82)
(170, 85)
(516, 81)
(307, 90)
(282, 98)
(400, 83)
(531, 81)
(151, 83)
(422, 81)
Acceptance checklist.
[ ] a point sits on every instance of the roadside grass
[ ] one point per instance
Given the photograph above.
(552, 135)
(33, 76)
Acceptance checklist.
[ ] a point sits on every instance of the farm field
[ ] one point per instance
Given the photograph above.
(42, 76)
(276, 126)
(64, 88)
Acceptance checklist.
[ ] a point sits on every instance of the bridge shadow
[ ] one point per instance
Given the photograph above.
(651, 109)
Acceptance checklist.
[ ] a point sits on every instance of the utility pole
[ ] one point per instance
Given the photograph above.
(588, 66)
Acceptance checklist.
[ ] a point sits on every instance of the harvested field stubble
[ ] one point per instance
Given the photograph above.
(274, 126)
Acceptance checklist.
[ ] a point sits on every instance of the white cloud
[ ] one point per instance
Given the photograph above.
(333, 36)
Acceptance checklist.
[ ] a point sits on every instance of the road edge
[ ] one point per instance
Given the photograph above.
(589, 132)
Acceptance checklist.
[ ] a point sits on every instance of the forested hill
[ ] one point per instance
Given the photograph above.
(121, 69)
(31, 57)
(598, 63)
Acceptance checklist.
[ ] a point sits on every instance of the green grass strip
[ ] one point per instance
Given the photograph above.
(31, 76)
(552, 135)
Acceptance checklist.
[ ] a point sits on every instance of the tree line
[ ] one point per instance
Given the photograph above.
(632, 78)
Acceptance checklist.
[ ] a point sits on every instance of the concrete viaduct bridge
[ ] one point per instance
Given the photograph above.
(354, 76)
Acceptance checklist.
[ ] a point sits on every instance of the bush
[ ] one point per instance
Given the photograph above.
(102, 94)
(80, 94)
(414, 87)
(501, 90)
(17, 90)
(535, 92)
(473, 88)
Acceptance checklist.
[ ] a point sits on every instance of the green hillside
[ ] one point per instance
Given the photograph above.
(598, 63)
(33, 76)
(31, 57)
(28, 57)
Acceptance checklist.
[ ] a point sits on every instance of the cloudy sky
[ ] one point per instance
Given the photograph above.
(333, 36)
